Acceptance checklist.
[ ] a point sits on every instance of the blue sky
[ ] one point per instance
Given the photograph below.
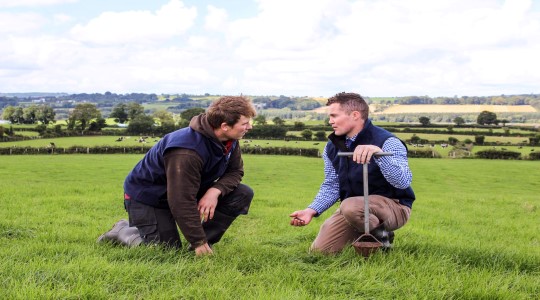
(271, 47)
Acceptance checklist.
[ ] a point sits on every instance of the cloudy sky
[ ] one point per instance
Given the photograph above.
(271, 47)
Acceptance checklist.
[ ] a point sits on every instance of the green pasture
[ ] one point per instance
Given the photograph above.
(473, 234)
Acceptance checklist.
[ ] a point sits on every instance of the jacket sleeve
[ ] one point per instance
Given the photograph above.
(183, 168)
(233, 174)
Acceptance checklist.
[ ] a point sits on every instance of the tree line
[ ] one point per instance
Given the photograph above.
(528, 99)
(87, 117)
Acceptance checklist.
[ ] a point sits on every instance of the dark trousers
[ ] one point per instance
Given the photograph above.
(157, 225)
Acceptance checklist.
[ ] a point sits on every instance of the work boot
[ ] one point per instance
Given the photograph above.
(112, 235)
(216, 227)
(384, 236)
(130, 236)
(122, 234)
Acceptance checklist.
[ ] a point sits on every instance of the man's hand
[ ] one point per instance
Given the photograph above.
(203, 249)
(302, 217)
(362, 153)
(207, 204)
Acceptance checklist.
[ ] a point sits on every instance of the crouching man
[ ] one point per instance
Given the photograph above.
(390, 193)
(190, 178)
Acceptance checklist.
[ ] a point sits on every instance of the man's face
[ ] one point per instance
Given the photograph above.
(239, 129)
(341, 122)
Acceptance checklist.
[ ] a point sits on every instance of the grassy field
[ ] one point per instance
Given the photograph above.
(473, 234)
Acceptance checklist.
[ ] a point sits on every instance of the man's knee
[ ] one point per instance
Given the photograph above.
(237, 202)
(351, 210)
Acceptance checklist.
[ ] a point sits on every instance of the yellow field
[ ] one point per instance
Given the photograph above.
(439, 108)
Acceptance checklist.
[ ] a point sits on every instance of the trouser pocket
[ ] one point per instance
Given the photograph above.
(143, 217)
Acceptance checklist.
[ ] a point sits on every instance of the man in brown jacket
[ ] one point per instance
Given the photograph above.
(190, 179)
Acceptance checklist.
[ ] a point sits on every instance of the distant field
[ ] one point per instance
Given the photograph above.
(437, 108)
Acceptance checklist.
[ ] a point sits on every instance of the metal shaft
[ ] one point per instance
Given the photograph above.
(366, 185)
(366, 199)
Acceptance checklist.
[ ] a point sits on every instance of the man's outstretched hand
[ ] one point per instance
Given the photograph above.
(302, 217)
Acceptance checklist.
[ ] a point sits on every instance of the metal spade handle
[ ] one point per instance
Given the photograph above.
(366, 187)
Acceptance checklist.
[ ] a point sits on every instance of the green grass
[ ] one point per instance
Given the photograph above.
(473, 234)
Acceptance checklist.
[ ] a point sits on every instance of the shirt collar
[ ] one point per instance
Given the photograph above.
(350, 140)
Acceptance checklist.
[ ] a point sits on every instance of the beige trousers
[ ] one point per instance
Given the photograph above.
(347, 223)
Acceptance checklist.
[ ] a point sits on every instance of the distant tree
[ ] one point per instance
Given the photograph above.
(260, 120)
(142, 124)
(98, 124)
(18, 115)
(45, 114)
(165, 127)
(459, 121)
(486, 117)
(320, 136)
(452, 140)
(307, 134)
(163, 116)
(29, 114)
(299, 126)
(83, 113)
(41, 129)
(134, 110)
(188, 114)
(415, 139)
(424, 121)
(120, 113)
(8, 113)
(504, 121)
(278, 121)
(479, 139)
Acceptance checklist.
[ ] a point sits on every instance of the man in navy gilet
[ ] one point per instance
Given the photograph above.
(390, 194)
(190, 179)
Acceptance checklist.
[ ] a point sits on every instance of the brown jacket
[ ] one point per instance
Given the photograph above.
(184, 167)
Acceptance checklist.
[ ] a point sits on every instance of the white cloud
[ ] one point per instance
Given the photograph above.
(303, 47)
(171, 20)
(62, 18)
(20, 23)
(32, 3)
(216, 19)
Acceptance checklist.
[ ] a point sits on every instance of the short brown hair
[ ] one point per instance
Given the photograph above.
(351, 102)
(229, 109)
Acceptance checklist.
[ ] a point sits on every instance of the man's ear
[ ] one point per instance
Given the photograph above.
(356, 115)
(224, 126)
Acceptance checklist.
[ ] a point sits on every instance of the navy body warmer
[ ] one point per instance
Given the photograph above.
(351, 173)
(147, 182)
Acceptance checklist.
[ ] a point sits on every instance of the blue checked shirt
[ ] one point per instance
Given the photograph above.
(394, 168)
